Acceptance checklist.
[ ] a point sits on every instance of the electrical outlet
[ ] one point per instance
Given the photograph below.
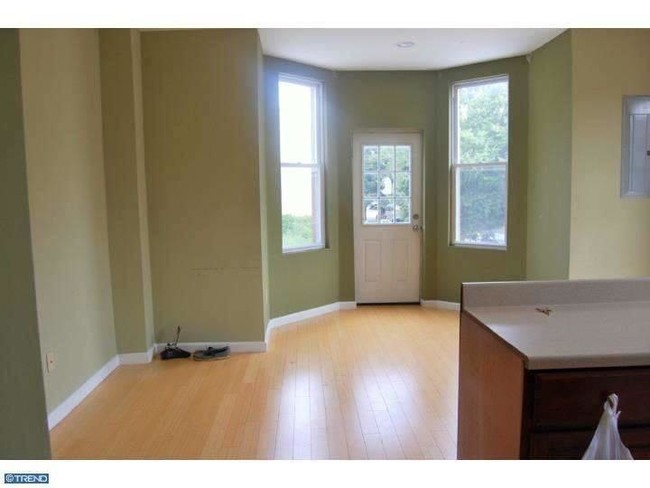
(49, 361)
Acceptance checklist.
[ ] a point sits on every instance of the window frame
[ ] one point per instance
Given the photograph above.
(318, 197)
(455, 165)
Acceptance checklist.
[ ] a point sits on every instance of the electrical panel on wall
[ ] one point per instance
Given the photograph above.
(635, 164)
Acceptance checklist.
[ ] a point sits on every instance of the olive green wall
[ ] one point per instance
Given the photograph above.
(380, 100)
(549, 161)
(201, 123)
(23, 420)
(67, 200)
(304, 280)
(454, 264)
(610, 236)
(126, 188)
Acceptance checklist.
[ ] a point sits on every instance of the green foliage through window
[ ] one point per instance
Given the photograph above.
(482, 205)
(483, 123)
(297, 231)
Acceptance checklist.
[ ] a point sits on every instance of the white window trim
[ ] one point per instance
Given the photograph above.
(454, 165)
(319, 135)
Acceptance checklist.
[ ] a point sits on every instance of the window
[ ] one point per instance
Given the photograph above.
(635, 169)
(479, 162)
(301, 162)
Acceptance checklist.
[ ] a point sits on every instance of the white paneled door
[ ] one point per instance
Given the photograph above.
(387, 182)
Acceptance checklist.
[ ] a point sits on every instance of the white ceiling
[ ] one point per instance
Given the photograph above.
(375, 49)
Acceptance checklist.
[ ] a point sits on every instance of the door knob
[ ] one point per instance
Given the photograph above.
(416, 227)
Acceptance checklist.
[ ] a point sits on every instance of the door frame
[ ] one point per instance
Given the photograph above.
(356, 208)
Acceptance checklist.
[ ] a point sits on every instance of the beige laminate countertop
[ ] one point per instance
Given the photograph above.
(584, 335)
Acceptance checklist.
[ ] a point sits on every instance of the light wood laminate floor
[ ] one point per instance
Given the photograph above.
(378, 382)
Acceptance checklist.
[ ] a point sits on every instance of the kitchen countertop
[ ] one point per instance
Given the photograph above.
(580, 335)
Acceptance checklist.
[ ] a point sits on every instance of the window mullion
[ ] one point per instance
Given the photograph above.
(300, 165)
(481, 165)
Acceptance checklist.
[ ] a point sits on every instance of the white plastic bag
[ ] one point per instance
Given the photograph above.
(606, 443)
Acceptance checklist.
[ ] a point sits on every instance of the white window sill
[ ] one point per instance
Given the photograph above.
(479, 246)
(296, 250)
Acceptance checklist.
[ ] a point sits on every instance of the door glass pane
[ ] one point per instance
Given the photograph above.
(481, 205)
(370, 211)
(402, 210)
(386, 210)
(370, 186)
(403, 184)
(386, 184)
(402, 158)
(370, 158)
(387, 158)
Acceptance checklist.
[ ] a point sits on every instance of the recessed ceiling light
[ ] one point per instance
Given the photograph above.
(405, 44)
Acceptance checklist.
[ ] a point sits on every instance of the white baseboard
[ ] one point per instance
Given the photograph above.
(347, 305)
(439, 304)
(310, 313)
(235, 347)
(60, 412)
(307, 314)
(137, 357)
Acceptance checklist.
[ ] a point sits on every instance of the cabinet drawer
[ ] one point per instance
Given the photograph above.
(573, 444)
(573, 399)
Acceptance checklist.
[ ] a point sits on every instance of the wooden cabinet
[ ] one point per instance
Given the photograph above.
(509, 412)
(562, 409)
(572, 444)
